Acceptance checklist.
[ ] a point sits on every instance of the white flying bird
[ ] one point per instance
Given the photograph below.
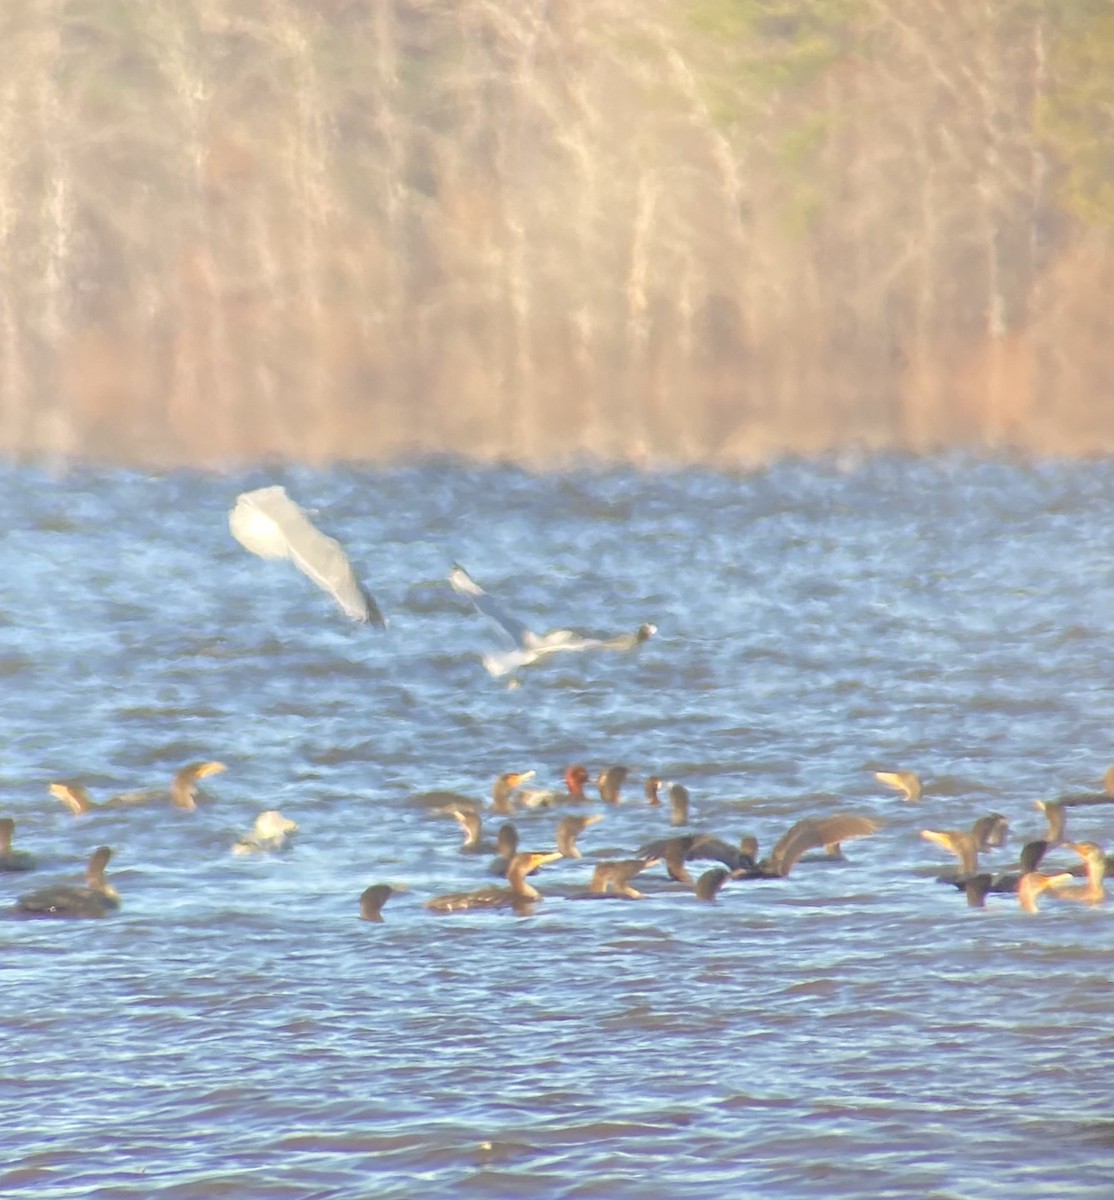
(528, 647)
(268, 523)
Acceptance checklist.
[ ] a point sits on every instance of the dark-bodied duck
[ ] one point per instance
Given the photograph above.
(569, 829)
(991, 831)
(506, 847)
(1001, 882)
(518, 895)
(681, 848)
(373, 898)
(674, 852)
(96, 899)
(709, 884)
(610, 783)
(1056, 817)
(12, 860)
(678, 804)
(975, 888)
(809, 833)
(527, 647)
(471, 823)
(612, 880)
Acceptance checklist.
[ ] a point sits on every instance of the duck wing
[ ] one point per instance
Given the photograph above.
(715, 849)
(810, 833)
(511, 627)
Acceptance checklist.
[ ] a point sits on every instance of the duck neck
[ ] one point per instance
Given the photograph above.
(501, 797)
(183, 793)
(519, 886)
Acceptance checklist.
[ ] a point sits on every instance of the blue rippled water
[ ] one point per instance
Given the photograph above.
(852, 1031)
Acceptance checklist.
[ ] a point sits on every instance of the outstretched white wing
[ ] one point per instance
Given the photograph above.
(268, 523)
(511, 627)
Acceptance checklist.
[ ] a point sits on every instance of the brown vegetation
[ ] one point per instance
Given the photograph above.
(713, 232)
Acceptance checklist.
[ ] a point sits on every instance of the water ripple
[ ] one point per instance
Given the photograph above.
(854, 1031)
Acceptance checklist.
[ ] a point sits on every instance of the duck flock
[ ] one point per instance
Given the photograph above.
(268, 523)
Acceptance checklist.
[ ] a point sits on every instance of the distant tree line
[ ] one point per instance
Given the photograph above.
(539, 230)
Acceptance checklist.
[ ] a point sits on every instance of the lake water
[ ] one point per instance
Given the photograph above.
(854, 1030)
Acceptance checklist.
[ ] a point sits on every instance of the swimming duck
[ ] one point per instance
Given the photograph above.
(675, 851)
(569, 829)
(502, 791)
(709, 884)
(1056, 817)
(1001, 882)
(610, 783)
(506, 847)
(678, 804)
(12, 860)
(612, 880)
(1093, 891)
(1033, 883)
(471, 823)
(978, 885)
(809, 833)
(373, 898)
(975, 887)
(519, 895)
(183, 791)
(96, 899)
(990, 831)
